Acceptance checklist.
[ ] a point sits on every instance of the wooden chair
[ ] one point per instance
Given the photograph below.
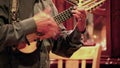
(83, 54)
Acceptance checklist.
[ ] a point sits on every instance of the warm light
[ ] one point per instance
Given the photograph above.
(94, 36)
(103, 44)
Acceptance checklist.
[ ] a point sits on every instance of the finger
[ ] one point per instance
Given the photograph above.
(75, 7)
(76, 16)
(76, 12)
(50, 33)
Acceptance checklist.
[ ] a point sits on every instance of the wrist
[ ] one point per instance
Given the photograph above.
(28, 25)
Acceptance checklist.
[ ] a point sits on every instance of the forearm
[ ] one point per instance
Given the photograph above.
(12, 34)
(67, 45)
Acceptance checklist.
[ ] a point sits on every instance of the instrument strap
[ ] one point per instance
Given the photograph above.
(14, 9)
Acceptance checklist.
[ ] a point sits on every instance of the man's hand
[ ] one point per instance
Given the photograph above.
(46, 26)
(80, 15)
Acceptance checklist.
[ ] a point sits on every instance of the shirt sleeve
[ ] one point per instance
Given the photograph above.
(67, 43)
(12, 34)
(15, 32)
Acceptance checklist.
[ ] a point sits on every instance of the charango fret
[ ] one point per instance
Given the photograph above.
(63, 16)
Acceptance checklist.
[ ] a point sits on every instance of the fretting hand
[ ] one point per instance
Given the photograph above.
(80, 15)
